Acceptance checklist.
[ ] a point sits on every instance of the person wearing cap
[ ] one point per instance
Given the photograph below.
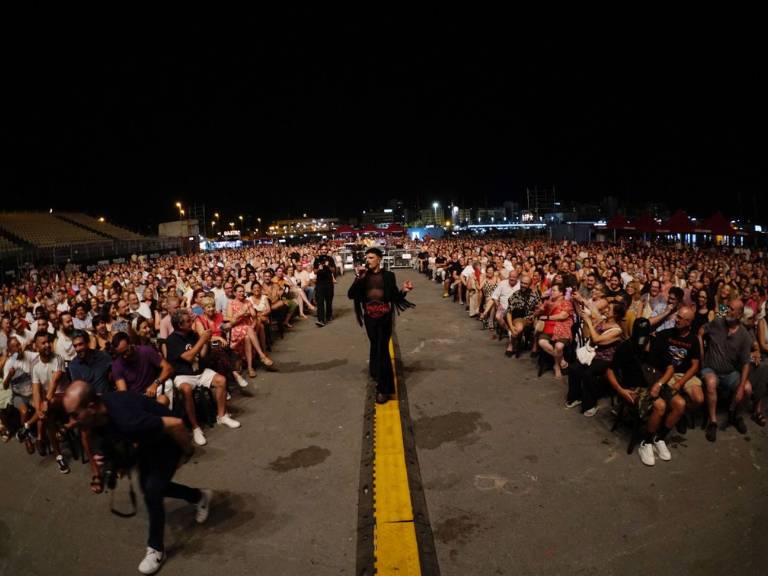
(376, 296)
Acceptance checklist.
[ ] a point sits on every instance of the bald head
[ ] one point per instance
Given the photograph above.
(686, 312)
(79, 395)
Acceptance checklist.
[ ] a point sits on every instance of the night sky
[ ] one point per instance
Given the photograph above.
(330, 122)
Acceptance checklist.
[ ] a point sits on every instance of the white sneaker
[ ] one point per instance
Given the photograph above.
(152, 561)
(227, 420)
(662, 450)
(199, 437)
(240, 380)
(646, 454)
(573, 404)
(203, 506)
(591, 412)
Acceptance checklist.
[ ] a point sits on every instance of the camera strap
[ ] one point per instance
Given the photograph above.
(131, 496)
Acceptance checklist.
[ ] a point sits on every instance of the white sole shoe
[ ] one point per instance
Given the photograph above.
(204, 506)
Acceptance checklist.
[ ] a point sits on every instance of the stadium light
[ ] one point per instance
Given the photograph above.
(216, 214)
(101, 219)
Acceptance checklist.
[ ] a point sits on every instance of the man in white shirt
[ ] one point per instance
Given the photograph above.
(502, 294)
(46, 375)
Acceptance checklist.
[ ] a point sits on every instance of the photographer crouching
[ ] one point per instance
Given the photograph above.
(128, 419)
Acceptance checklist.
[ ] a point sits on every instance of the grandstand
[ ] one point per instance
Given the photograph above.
(43, 230)
(103, 228)
(7, 247)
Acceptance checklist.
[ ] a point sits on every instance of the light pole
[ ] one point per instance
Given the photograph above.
(435, 205)
(181, 212)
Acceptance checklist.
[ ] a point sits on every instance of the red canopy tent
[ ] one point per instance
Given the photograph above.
(395, 229)
(678, 223)
(345, 230)
(718, 226)
(371, 229)
(619, 222)
(645, 224)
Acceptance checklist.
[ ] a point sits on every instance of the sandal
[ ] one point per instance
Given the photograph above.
(251, 373)
(267, 361)
(97, 485)
(759, 419)
(29, 444)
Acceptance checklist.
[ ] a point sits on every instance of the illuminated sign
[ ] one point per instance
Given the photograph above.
(232, 233)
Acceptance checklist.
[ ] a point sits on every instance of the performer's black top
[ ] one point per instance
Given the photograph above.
(374, 287)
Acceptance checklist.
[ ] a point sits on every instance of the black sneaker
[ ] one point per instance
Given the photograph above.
(682, 425)
(711, 432)
(738, 423)
(62, 464)
(320, 324)
(21, 434)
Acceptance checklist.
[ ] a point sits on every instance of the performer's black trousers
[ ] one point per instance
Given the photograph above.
(324, 300)
(379, 332)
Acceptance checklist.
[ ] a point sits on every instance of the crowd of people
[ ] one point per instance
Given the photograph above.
(672, 331)
(142, 347)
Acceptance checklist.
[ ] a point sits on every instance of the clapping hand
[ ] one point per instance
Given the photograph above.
(407, 286)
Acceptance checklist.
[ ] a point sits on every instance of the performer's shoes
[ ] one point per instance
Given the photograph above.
(382, 398)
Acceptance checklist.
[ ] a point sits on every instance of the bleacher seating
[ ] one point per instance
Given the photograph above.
(7, 247)
(45, 230)
(106, 228)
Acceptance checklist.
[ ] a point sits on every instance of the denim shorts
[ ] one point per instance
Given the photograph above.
(726, 383)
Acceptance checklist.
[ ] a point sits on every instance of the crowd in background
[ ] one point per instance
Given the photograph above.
(672, 331)
(167, 328)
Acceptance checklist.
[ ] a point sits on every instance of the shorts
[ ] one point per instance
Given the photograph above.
(552, 340)
(18, 400)
(693, 382)
(204, 379)
(726, 383)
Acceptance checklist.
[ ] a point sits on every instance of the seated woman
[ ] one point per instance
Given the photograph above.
(261, 305)
(218, 358)
(240, 315)
(488, 284)
(557, 314)
(296, 293)
(605, 336)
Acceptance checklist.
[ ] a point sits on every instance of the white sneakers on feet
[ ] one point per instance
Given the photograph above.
(204, 506)
(662, 450)
(646, 454)
(199, 437)
(573, 404)
(242, 382)
(591, 412)
(227, 420)
(152, 561)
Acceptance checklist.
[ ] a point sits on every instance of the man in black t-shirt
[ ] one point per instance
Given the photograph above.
(325, 270)
(186, 350)
(128, 418)
(680, 349)
(614, 290)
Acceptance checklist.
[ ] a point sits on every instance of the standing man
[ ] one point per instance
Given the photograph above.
(163, 445)
(325, 270)
(376, 295)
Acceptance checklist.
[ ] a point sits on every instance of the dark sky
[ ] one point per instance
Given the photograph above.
(334, 121)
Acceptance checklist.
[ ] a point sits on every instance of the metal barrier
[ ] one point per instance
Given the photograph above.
(393, 258)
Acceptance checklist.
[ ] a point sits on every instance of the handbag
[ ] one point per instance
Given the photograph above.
(586, 353)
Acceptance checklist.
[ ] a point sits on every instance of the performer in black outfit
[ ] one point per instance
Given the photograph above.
(325, 268)
(376, 296)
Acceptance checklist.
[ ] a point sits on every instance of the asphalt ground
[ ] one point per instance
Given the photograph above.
(513, 482)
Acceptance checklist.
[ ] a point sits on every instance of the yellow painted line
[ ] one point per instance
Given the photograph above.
(394, 534)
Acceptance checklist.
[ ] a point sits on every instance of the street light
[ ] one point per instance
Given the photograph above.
(435, 205)
(216, 214)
